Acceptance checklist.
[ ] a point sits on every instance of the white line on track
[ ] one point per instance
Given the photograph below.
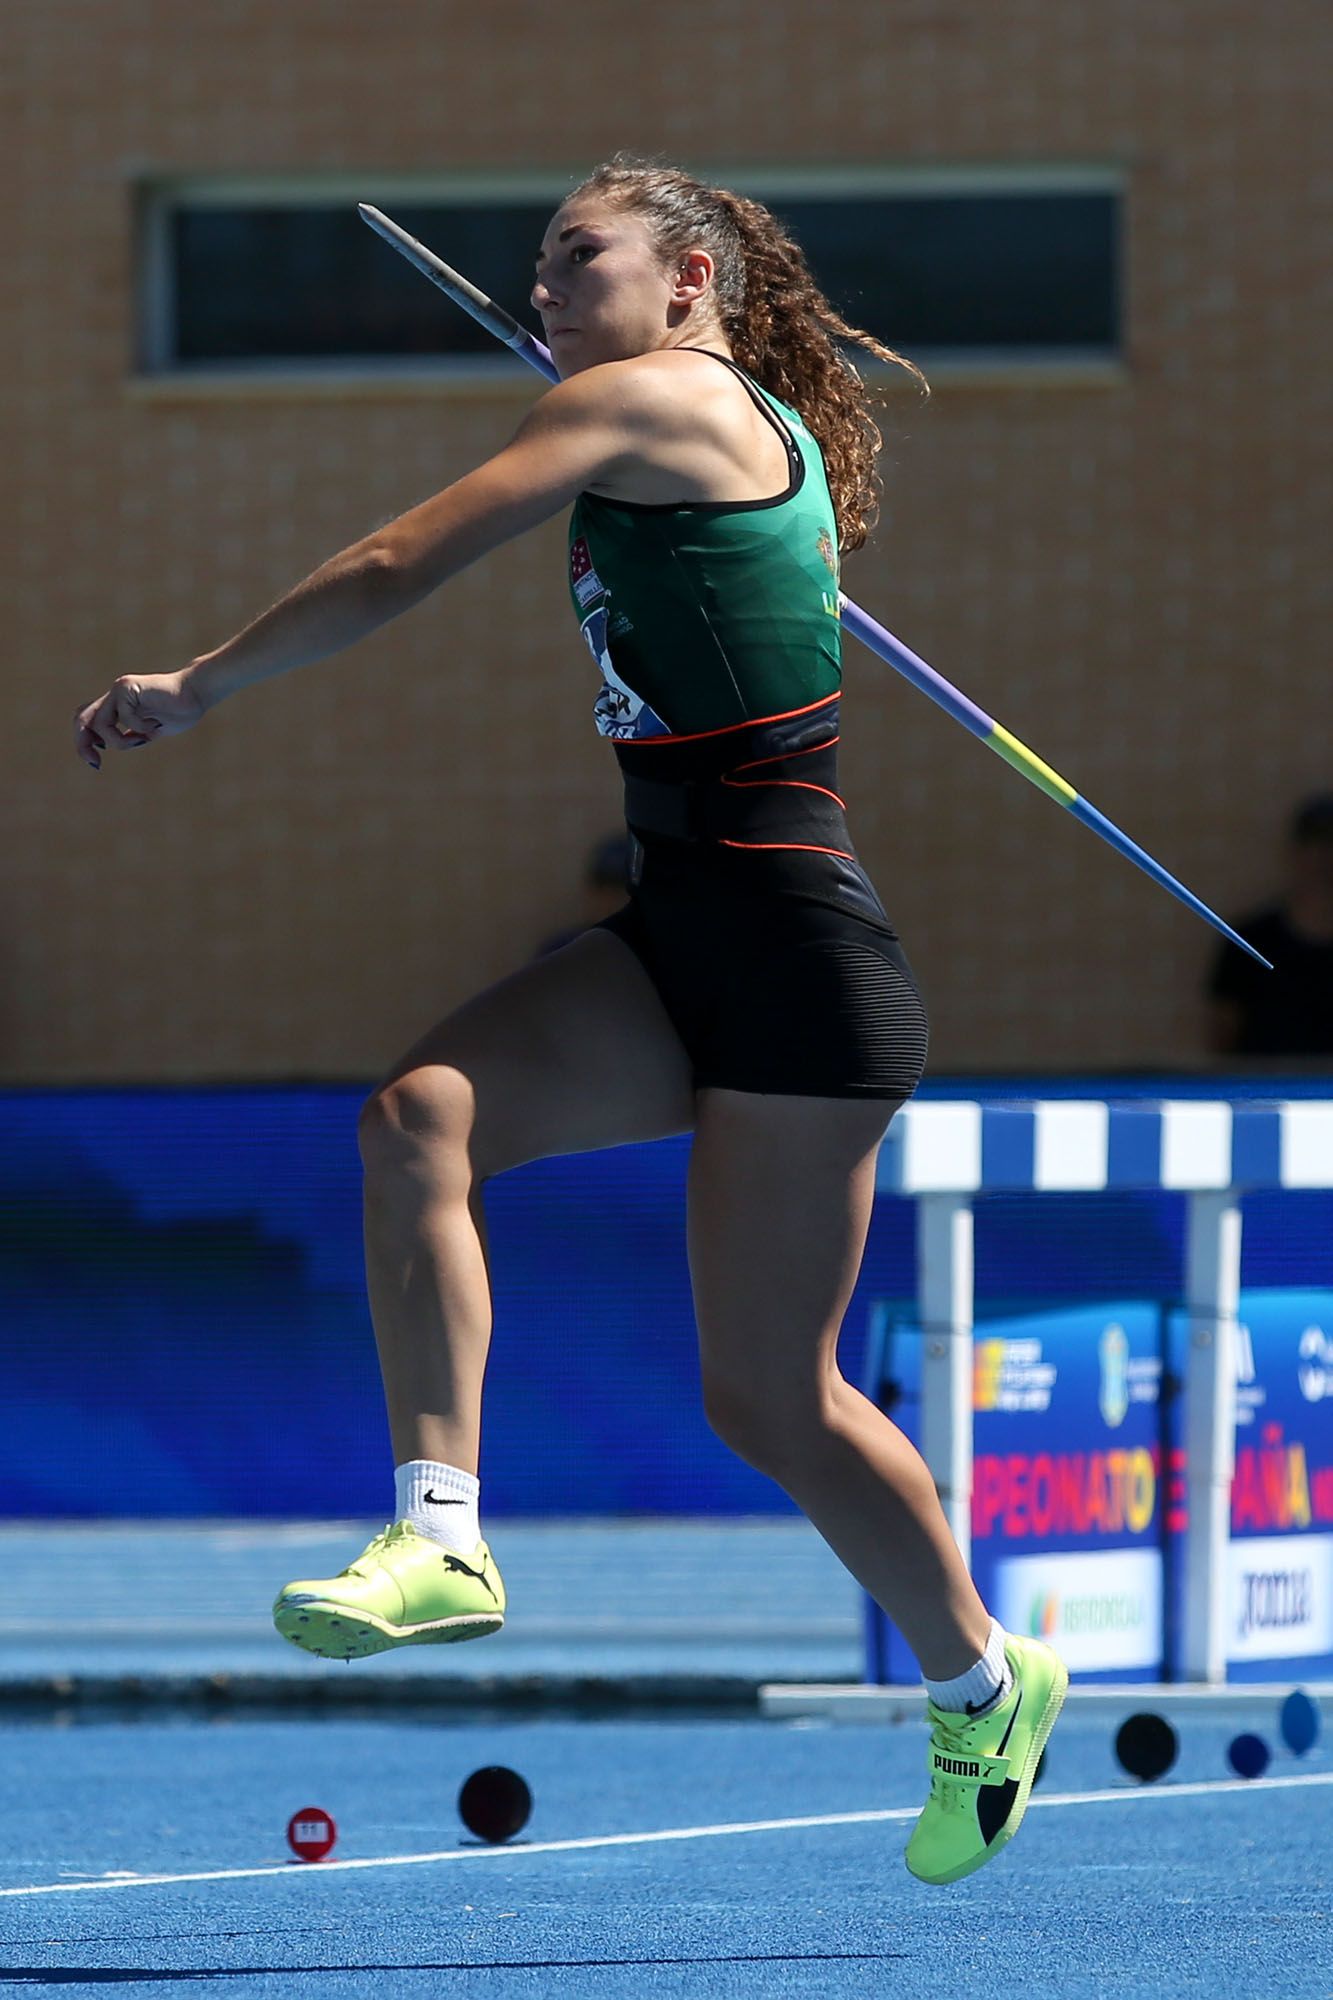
(1120, 1795)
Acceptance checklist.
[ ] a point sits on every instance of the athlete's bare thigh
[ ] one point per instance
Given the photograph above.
(572, 1052)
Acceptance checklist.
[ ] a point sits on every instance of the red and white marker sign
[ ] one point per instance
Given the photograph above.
(311, 1833)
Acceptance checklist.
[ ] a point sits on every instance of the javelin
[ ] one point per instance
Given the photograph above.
(507, 329)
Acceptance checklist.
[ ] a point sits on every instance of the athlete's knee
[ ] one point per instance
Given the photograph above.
(729, 1412)
(425, 1113)
(772, 1422)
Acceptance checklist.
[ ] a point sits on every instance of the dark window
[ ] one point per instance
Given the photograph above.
(1018, 273)
(950, 272)
(289, 283)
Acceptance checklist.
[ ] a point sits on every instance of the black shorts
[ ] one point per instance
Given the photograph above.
(780, 971)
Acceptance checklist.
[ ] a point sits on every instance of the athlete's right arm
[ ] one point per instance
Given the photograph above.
(580, 431)
(569, 437)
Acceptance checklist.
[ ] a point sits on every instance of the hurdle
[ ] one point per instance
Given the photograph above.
(942, 1155)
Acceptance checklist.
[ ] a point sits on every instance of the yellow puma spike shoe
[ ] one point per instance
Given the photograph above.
(403, 1590)
(982, 1767)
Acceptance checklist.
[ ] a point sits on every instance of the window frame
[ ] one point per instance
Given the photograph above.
(156, 198)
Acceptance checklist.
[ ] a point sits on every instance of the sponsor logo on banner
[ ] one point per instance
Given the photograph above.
(1251, 1394)
(1281, 1597)
(1011, 1375)
(1100, 1611)
(1113, 1353)
(1315, 1367)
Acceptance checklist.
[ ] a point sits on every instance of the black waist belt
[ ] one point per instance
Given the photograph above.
(746, 813)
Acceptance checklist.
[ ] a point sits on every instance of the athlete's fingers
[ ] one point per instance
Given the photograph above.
(132, 721)
(90, 733)
(112, 721)
(87, 743)
(124, 724)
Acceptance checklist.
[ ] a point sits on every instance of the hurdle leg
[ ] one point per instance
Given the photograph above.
(1212, 1302)
(945, 1300)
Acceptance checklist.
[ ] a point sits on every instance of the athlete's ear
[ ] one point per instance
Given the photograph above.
(693, 277)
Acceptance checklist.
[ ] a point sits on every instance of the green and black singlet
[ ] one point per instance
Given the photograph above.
(702, 615)
(715, 625)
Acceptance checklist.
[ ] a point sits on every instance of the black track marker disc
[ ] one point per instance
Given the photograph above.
(1146, 1745)
(494, 1803)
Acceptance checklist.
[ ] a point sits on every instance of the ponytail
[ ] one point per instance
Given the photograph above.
(780, 327)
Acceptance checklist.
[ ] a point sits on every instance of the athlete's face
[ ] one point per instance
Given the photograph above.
(603, 291)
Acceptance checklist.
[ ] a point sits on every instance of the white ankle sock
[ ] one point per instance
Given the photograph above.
(439, 1501)
(982, 1685)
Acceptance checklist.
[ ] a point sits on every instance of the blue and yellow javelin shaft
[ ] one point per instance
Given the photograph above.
(507, 329)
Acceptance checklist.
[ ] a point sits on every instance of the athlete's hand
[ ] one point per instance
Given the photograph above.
(136, 709)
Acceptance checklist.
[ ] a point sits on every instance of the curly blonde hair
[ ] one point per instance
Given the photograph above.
(780, 327)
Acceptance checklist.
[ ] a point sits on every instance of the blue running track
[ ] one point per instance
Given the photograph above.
(152, 1855)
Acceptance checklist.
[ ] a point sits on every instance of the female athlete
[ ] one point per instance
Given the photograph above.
(718, 453)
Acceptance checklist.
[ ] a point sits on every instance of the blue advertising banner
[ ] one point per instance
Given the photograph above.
(1280, 1586)
(1068, 1521)
(1077, 1528)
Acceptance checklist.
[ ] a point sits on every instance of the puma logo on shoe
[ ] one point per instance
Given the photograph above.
(434, 1500)
(478, 1575)
(958, 1767)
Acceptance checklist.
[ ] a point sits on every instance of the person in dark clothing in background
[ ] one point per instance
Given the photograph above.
(1288, 1011)
(606, 884)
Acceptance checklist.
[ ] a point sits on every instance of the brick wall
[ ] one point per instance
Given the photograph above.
(1129, 573)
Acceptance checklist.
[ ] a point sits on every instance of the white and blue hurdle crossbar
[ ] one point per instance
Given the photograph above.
(943, 1154)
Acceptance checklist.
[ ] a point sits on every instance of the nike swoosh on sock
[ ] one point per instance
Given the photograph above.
(1002, 1692)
